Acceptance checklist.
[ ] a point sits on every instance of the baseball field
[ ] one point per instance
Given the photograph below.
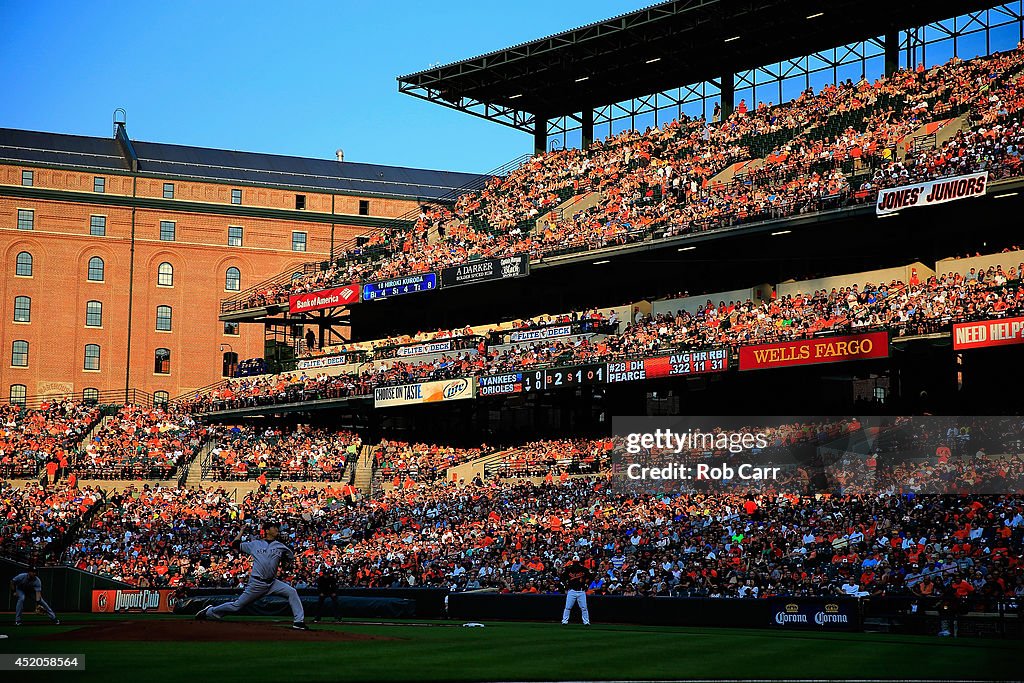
(177, 649)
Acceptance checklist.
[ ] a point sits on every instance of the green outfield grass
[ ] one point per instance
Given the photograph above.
(527, 651)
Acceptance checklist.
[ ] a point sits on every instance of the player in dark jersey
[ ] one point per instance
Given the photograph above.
(576, 578)
(327, 587)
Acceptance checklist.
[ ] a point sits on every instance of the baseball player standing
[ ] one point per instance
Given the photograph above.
(327, 587)
(267, 554)
(29, 582)
(576, 578)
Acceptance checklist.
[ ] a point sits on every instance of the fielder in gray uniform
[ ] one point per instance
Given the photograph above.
(267, 554)
(28, 582)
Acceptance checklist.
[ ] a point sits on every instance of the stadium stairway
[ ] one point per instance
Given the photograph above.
(194, 468)
(103, 421)
(364, 470)
(574, 204)
(467, 470)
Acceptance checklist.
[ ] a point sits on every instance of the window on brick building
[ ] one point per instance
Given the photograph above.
(300, 201)
(167, 229)
(163, 318)
(94, 314)
(23, 265)
(162, 361)
(165, 275)
(28, 178)
(97, 226)
(26, 219)
(364, 207)
(22, 309)
(234, 237)
(298, 241)
(231, 329)
(18, 394)
(99, 184)
(96, 269)
(161, 398)
(168, 190)
(236, 196)
(91, 395)
(19, 353)
(233, 279)
(92, 357)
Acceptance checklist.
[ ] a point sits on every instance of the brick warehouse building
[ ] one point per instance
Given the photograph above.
(207, 224)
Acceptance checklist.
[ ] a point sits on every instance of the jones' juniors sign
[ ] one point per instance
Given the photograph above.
(988, 333)
(812, 613)
(133, 601)
(325, 298)
(485, 270)
(931, 192)
(424, 392)
(812, 351)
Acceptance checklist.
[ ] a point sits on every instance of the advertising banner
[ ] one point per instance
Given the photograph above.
(541, 333)
(984, 333)
(819, 614)
(410, 284)
(322, 362)
(325, 298)
(133, 601)
(674, 365)
(427, 347)
(424, 392)
(814, 351)
(931, 192)
(486, 270)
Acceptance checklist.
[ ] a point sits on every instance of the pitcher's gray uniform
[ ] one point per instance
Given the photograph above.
(24, 583)
(266, 557)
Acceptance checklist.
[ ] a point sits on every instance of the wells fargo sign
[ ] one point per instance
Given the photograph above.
(814, 351)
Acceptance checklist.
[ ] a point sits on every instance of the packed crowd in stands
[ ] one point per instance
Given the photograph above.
(661, 180)
(33, 439)
(905, 308)
(403, 463)
(140, 442)
(515, 537)
(34, 516)
(301, 453)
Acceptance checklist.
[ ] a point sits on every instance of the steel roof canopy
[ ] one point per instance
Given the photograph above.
(688, 40)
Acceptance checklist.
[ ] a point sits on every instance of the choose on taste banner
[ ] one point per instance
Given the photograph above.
(814, 351)
(424, 392)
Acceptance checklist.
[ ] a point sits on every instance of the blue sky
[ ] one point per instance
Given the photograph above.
(300, 78)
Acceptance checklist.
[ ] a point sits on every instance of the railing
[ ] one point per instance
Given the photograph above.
(100, 398)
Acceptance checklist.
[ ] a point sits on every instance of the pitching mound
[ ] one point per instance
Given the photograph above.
(187, 630)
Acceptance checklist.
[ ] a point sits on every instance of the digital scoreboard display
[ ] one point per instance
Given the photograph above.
(576, 375)
(673, 365)
(411, 284)
(510, 383)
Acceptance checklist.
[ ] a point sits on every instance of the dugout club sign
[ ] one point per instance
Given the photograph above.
(931, 193)
(815, 351)
(486, 270)
(812, 614)
(987, 333)
(325, 298)
(110, 601)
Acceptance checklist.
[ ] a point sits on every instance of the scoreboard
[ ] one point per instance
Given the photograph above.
(679, 364)
(673, 365)
(594, 373)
